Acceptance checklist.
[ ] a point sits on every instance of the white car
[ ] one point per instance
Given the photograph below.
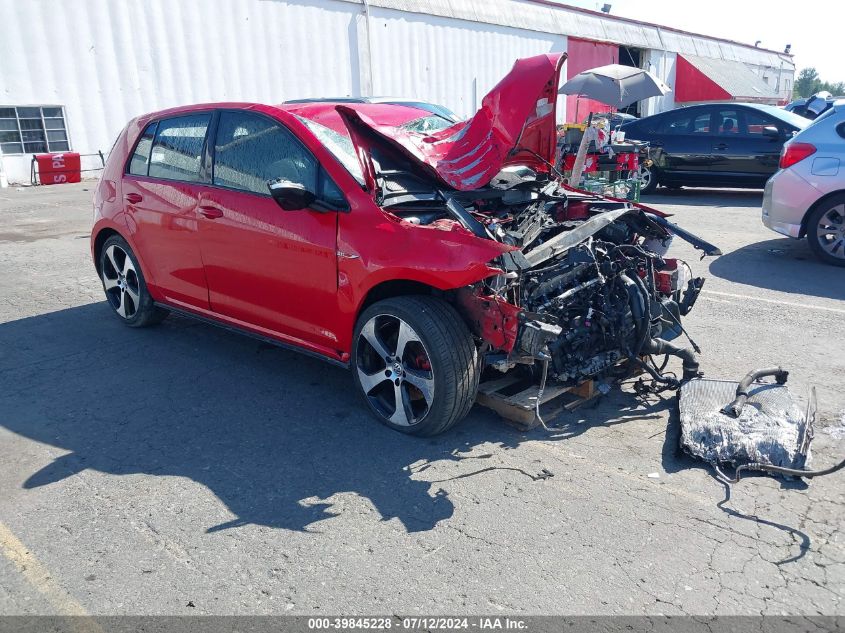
(806, 196)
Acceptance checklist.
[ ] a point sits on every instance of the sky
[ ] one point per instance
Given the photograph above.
(815, 32)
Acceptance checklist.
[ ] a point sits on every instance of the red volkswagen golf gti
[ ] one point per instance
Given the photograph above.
(387, 238)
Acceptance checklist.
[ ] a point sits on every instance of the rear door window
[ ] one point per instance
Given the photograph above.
(729, 122)
(701, 123)
(686, 121)
(177, 151)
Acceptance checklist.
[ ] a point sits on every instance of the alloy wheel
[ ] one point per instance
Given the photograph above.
(831, 231)
(645, 177)
(394, 370)
(120, 280)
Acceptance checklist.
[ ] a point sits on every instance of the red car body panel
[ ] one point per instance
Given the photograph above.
(165, 226)
(271, 272)
(515, 125)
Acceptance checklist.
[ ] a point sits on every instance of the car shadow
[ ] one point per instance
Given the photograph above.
(701, 197)
(272, 433)
(781, 264)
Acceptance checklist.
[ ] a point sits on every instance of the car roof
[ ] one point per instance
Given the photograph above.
(325, 112)
(784, 115)
(322, 111)
(431, 108)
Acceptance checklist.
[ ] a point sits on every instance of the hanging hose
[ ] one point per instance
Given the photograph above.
(543, 377)
(779, 470)
(658, 346)
(641, 311)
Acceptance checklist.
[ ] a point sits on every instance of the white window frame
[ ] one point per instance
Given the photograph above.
(44, 129)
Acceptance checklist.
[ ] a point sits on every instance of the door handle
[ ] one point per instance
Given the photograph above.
(133, 198)
(212, 213)
(720, 147)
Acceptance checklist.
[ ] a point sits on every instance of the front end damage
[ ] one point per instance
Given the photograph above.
(586, 289)
(585, 286)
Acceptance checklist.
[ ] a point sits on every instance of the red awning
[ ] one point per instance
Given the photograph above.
(707, 79)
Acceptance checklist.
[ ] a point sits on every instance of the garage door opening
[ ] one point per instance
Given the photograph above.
(631, 57)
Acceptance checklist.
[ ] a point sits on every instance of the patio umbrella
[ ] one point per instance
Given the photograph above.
(615, 85)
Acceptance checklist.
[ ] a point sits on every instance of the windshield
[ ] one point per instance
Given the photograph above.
(426, 124)
(795, 120)
(434, 108)
(339, 145)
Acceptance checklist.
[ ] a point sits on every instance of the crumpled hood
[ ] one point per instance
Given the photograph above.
(515, 125)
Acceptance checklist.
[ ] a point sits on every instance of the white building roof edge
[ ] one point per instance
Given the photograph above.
(548, 17)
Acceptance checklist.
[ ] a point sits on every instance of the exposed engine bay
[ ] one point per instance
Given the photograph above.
(564, 284)
(586, 285)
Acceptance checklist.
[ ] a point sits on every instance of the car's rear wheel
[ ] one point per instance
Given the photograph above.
(648, 179)
(826, 231)
(124, 285)
(415, 364)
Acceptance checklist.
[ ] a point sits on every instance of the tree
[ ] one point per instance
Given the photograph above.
(808, 83)
(836, 89)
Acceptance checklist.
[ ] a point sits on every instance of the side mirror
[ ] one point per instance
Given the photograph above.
(291, 196)
(771, 131)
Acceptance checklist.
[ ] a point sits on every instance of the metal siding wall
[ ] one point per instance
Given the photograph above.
(662, 64)
(445, 60)
(108, 61)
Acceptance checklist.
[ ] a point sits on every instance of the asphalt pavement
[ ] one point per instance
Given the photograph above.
(184, 469)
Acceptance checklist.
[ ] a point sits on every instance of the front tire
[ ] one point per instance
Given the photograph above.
(826, 231)
(124, 285)
(415, 364)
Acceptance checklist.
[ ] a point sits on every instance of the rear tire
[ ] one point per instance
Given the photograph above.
(415, 364)
(124, 285)
(826, 231)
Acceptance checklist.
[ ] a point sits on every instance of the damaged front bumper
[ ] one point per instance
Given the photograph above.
(588, 298)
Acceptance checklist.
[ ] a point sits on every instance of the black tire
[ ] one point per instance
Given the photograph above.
(828, 217)
(124, 285)
(648, 179)
(441, 338)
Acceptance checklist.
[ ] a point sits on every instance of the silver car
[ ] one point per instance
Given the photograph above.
(806, 196)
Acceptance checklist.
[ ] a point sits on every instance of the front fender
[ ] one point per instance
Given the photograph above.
(442, 255)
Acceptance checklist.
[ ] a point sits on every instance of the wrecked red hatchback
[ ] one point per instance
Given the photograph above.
(385, 237)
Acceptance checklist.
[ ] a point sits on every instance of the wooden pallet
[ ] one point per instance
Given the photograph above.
(514, 398)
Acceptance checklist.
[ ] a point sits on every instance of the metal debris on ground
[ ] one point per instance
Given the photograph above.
(748, 425)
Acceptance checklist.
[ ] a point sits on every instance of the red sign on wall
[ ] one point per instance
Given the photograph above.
(56, 169)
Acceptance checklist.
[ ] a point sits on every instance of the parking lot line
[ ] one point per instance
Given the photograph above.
(38, 576)
(807, 306)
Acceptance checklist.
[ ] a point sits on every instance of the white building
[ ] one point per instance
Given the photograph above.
(73, 73)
